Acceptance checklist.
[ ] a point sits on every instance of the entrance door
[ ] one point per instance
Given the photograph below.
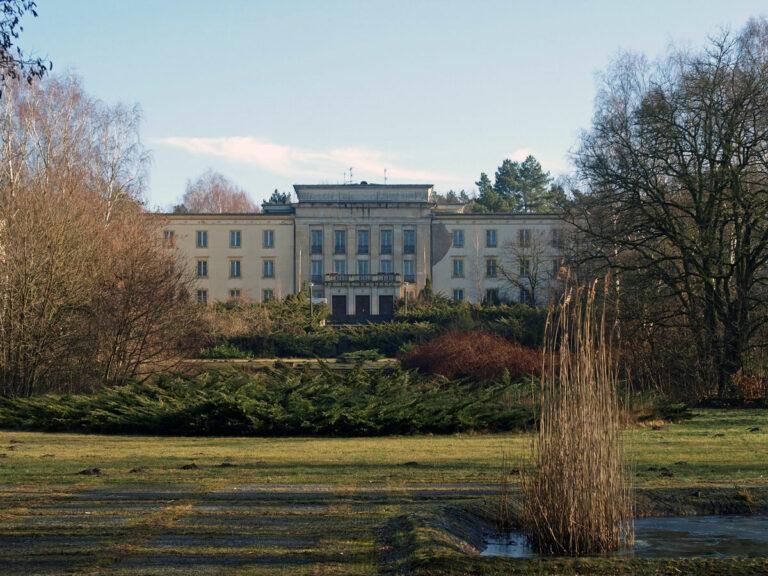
(362, 305)
(386, 306)
(339, 306)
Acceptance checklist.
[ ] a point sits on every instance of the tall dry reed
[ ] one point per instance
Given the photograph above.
(577, 497)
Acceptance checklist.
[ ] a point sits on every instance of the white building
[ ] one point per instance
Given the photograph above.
(361, 247)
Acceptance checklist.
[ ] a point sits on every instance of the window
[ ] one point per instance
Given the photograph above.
(386, 241)
(458, 238)
(202, 296)
(524, 237)
(202, 239)
(458, 268)
(490, 238)
(234, 269)
(340, 266)
(525, 296)
(202, 268)
(491, 267)
(386, 266)
(316, 242)
(268, 268)
(267, 295)
(169, 237)
(234, 294)
(525, 268)
(492, 296)
(317, 271)
(363, 267)
(235, 238)
(557, 238)
(458, 294)
(409, 270)
(268, 239)
(409, 241)
(339, 241)
(362, 241)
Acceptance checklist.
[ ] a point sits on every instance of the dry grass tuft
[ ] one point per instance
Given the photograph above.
(577, 499)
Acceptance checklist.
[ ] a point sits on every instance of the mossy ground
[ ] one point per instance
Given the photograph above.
(325, 506)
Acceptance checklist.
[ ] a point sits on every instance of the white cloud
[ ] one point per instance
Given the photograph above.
(521, 154)
(290, 161)
(554, 165)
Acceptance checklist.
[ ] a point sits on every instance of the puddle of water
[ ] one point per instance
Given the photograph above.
(708, 536)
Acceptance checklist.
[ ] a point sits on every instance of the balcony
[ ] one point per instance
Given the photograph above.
(362, 249)
(316, 249)
(362, 280)
(340, 249)
(386, 249)
(409, 249)
(316, 278)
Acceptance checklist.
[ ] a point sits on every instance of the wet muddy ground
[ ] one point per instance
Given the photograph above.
(240, 528)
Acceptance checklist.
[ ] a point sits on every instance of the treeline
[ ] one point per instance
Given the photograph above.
(88, 293)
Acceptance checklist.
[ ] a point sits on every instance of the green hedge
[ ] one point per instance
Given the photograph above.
(330, 342)
(287, 401)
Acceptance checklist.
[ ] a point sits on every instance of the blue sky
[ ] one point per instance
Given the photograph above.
(280, 92)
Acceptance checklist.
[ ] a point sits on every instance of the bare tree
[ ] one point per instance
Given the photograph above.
(81, 260)
(14, 65)
(213, 193)
(530, 265)
(674, 194)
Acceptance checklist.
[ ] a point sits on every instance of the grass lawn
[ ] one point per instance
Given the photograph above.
(169, 505)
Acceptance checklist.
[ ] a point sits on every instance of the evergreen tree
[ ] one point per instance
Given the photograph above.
(488, 200)
(533, 185)
(507, 184)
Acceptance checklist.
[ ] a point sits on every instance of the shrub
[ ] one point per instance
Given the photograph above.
(277, 402)
(225, 351)
(479, 355)
(360, 356)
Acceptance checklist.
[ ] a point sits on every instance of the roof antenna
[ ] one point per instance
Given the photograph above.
(350, 174)
(385, 176)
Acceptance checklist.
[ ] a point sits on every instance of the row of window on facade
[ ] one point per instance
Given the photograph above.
(525, 269)
(235, 294)
(492, 296)
(523, 238)
(236, 268)
(386, 241)
(235, 238)
(386, 267)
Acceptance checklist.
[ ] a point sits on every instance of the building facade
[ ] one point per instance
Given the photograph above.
(362, 247)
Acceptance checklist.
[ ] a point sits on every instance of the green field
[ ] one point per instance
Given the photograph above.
(168, 505)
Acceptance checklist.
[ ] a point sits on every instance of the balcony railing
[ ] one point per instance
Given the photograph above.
(362, 248)
(386, 249)
(316, 249)
(316, 278)
(368, 280)
(409, 249)
(340, 249)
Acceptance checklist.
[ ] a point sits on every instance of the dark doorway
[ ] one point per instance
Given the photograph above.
(362, 305)
(339, 306)
(386, 306)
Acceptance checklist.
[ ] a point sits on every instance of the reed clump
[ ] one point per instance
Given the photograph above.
(577, 498)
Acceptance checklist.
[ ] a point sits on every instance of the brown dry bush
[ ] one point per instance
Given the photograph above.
(480, 355)
(88, 293)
